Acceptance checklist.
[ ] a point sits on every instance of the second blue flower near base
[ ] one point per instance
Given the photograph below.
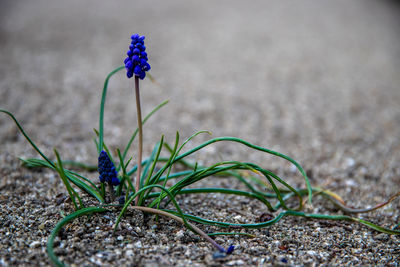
(136, 62)
(107, 170)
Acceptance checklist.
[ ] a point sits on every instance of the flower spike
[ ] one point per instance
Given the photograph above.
(136, 62)
(107, 170)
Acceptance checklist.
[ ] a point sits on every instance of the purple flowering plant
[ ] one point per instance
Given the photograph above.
(147, 190)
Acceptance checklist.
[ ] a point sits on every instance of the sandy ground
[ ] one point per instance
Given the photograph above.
(316, 80)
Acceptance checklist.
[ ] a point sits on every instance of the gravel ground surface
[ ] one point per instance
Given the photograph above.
(316, 80)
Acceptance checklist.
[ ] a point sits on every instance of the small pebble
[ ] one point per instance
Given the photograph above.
(129, 253)
(138, 244)
(180, 234)
(350, 162)
(35, 244)
(219, 255)
(311, 253)
(381, 237)
(41, 226)
(235, 263)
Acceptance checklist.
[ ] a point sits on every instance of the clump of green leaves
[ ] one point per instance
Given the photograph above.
(157, 171)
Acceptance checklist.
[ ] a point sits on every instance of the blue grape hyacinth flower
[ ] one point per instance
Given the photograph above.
(107, 170)
(136, 62)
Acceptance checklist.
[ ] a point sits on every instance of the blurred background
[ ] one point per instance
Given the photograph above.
(318, 80)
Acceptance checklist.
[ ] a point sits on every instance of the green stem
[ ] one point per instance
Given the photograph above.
(102, 104)
(72, 193)
(54, 233)
(27, 137)
(237, 140)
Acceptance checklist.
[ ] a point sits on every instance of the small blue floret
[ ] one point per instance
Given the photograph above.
(107, 170)
(230, 249)
(222, 253)
(136, 62)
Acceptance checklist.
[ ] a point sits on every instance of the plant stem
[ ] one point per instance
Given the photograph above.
(103, 191)
(179, 219)
(139, 118)
(111, 190)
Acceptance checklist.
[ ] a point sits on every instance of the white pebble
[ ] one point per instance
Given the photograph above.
(180, 234)
(129, 253)
(235, 263)
(138, 244)
(311, 253)
(238, 217)
(350, 162)
(35, 244)
(351, 183)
